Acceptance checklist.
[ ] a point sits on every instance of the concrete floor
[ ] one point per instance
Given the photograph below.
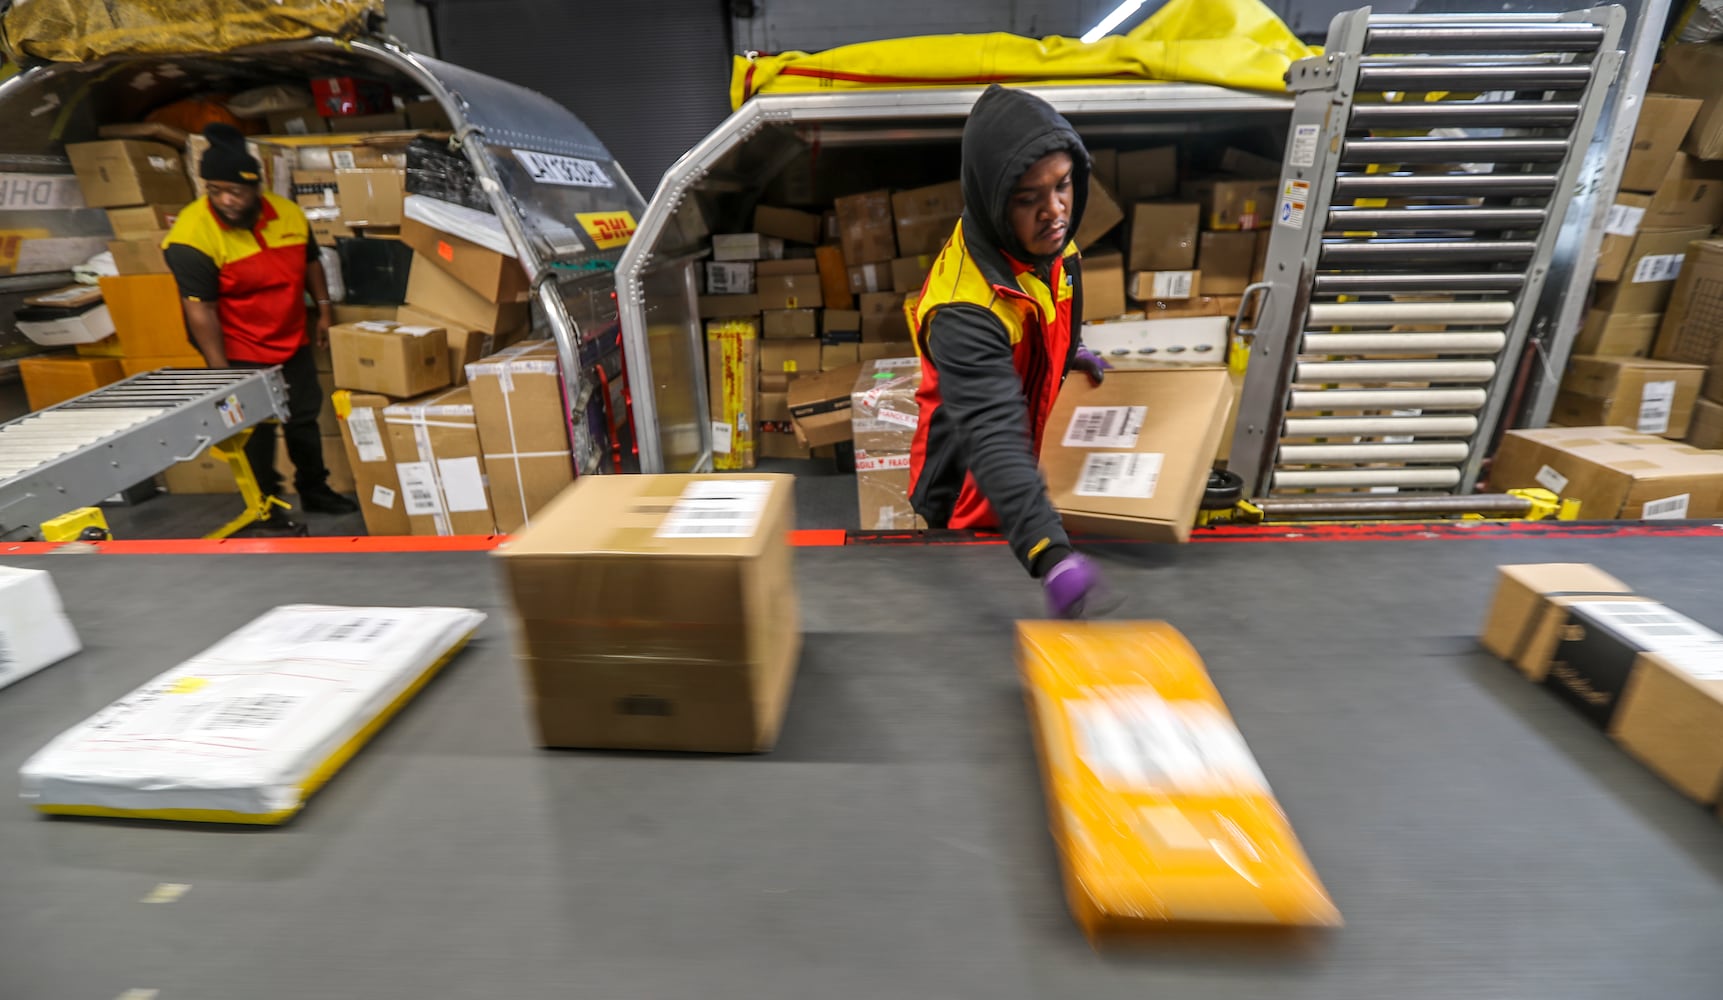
(1481, 839)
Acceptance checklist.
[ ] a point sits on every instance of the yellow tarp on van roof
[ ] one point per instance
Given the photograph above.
(86, 30)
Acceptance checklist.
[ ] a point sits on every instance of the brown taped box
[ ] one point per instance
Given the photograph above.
(1691, 195)
(142, 221)
(1625, 218)
(1615, 474)
(882, 318)
(1643, 394)
(834, 277)
(334, 460)
(1161, 287)
(1103, 285)
(1147, 173)
(866, 279)
(840, 326)
(788, 357)
(438, 458)
(787, 224)
(1524, 618)
(925, 217)
(1608, 335)
(466, 345)
(835, 356)
(149, 320)
(53, 379)
(1233, 202)
(732, 391)
(789, 265)
(789, 291)
(1164, 236)
(523, 431)
(1691, 330)
(636, 633)
(789, 324)
(820, 405)
(1224, 259)
(120, 172)
(1705, 430)
(1663, 123)
(1648, 277)
(371, 197)
(865, 228)
(393, 359)
(1695, 71)
(1146, 485)
(376, 483)
(140, 256)
(724, 306)
(201, 476)
(435, 290)
(884, 415)
(909, 274)
(497, 277)
(1101, 215)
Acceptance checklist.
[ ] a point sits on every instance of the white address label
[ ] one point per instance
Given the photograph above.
(1658, 267)
(382, 496)
(721, 437)
(1120, 474)
(1551, 480)
(563, 171)
(728, 508)
(419, 489)
(1138, 741)
(1656, 402)
(367, 439)
(1174, 284)
(1105, 427)
(1668, 509)
(1623, 220)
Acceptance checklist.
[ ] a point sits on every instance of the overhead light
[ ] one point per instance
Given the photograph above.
(1112, 20)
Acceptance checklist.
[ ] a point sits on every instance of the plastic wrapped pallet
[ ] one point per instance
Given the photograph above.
(884, 416)
(1159, 810)
(34, 630)
(247, 730)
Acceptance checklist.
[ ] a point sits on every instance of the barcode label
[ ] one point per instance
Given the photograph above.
(1656, 401)
(357, 630)
(1120, 475)
(908, 420)
(382, 496)
(1669, 508)
(343, 159)
(1658, 267)
(721, 435)
(367, 439)
(717, 509)
(419, 489)
(1551, 480)
(1623, 220)
(1105, 427)
(251, 712)
(1652, 628)
(1173, 284)
(1138, 741)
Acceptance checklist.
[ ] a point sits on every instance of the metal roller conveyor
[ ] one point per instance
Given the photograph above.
(1502, 185)
(1469, 79)
(1354, 253)
(1431, 478)
(1359, 152)
(1280, 508)
(1386, 399)
(1478, 342)
(1373, 453)
(1438, 217)
(1397, 313)
(1394, 371)
(1459, 114)
(1560, 37)
(1505, 282)
(1303, 427)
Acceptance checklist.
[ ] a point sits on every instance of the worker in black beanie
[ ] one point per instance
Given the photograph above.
(244, 261)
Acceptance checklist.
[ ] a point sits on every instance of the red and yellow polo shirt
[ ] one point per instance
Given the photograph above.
(256, 277)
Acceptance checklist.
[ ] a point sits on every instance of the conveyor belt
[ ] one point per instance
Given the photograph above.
(1481, 839)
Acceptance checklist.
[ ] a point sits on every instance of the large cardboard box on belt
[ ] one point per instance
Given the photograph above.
(658, 612)
(884, 415)
(1647, 395)
(1158, 809)
(733, 388)
(371, 458)
(1131, 457)
(1523, 624)
(523, 429)
(1614, 473)
(440, 464)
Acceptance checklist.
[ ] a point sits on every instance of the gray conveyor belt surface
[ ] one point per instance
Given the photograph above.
(1481, 838)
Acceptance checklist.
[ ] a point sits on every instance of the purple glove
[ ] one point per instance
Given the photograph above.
(1090, 364)
(1070, 586)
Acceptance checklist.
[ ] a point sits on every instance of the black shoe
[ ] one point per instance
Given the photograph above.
(323, 500)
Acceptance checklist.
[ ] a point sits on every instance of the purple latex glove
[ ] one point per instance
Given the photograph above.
(1070, 586)
(1090, 364)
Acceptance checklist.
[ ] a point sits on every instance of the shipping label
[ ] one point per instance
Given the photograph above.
(463, 484)
(727, 508)
(1668, 509)
(1656, 402)
(367, 437)
(1658, 267)
(721, 433)
(1173, 284)
(1551, 480)
(1136, 741)
(382, 496)
(1623, 220)
(1120, 474)
(419, 489)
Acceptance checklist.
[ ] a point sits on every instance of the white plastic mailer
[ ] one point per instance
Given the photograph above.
(34, 630)
(246, 731)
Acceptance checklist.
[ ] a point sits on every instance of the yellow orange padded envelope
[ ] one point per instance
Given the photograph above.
(1158, 808)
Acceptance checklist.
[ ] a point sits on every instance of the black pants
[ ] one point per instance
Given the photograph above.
(304, 438)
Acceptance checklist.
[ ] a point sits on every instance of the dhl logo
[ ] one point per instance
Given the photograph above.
(607, 229)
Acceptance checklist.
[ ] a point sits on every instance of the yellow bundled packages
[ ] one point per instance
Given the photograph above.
(1159, 810)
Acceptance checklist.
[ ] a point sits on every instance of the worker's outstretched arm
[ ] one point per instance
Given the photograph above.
(981, 390)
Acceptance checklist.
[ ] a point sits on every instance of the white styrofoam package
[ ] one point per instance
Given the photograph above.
(34, 629)
(247, 730)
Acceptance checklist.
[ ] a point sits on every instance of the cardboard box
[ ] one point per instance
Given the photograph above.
(52, 379)
(882, 317)
(789, 324)
(866, 229)
(118, 172)
(204, 475)
(1233, 202)
(437, 291)
(1663, 123)
(149, 320)
(1164, 235)
(643, 627)
(1613, 473)
(1224, 259)
(746, 246)
(925, 218)
(143, 256)
(1523, 624)
(1103, 284)
(301, 121)
(732, 391)
(1609, 335)
(1164, 287)
(789, 357)
(820, 405)
(787, 224)
(371, 458)
(1620, 227)
(868, 278)
(1695, 71)
(1649, 396)
(909, 274)
(373, 198)
(1203, 305)
(722, 306)
(142, 221)
(439, 462)
(427, 116)
(835, 356)
(789, 291)
(834, 277)
(1691, 195)
(1705, 430)
(735, 277)
(1649, 275)
(1148, 173)
(884, 415)
(392, 359)
(1101, 215)
(497, 277)
(841, 326)
(466, 345)
(69, 317)
(523, 430)
(1104, 167)
(1690, 328)
(1131, 456)
(789, 265)
(886, 350)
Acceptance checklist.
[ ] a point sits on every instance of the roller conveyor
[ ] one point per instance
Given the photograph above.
(87, 449)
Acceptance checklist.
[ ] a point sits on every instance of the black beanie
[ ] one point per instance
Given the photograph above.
(226, 158)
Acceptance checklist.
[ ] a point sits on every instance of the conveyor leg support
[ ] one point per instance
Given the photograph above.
(258, 507)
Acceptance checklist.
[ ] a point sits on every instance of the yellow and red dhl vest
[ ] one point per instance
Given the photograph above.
(1037, 319)
(260, 292)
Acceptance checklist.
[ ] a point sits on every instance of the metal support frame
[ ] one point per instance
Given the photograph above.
(1479, 248)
